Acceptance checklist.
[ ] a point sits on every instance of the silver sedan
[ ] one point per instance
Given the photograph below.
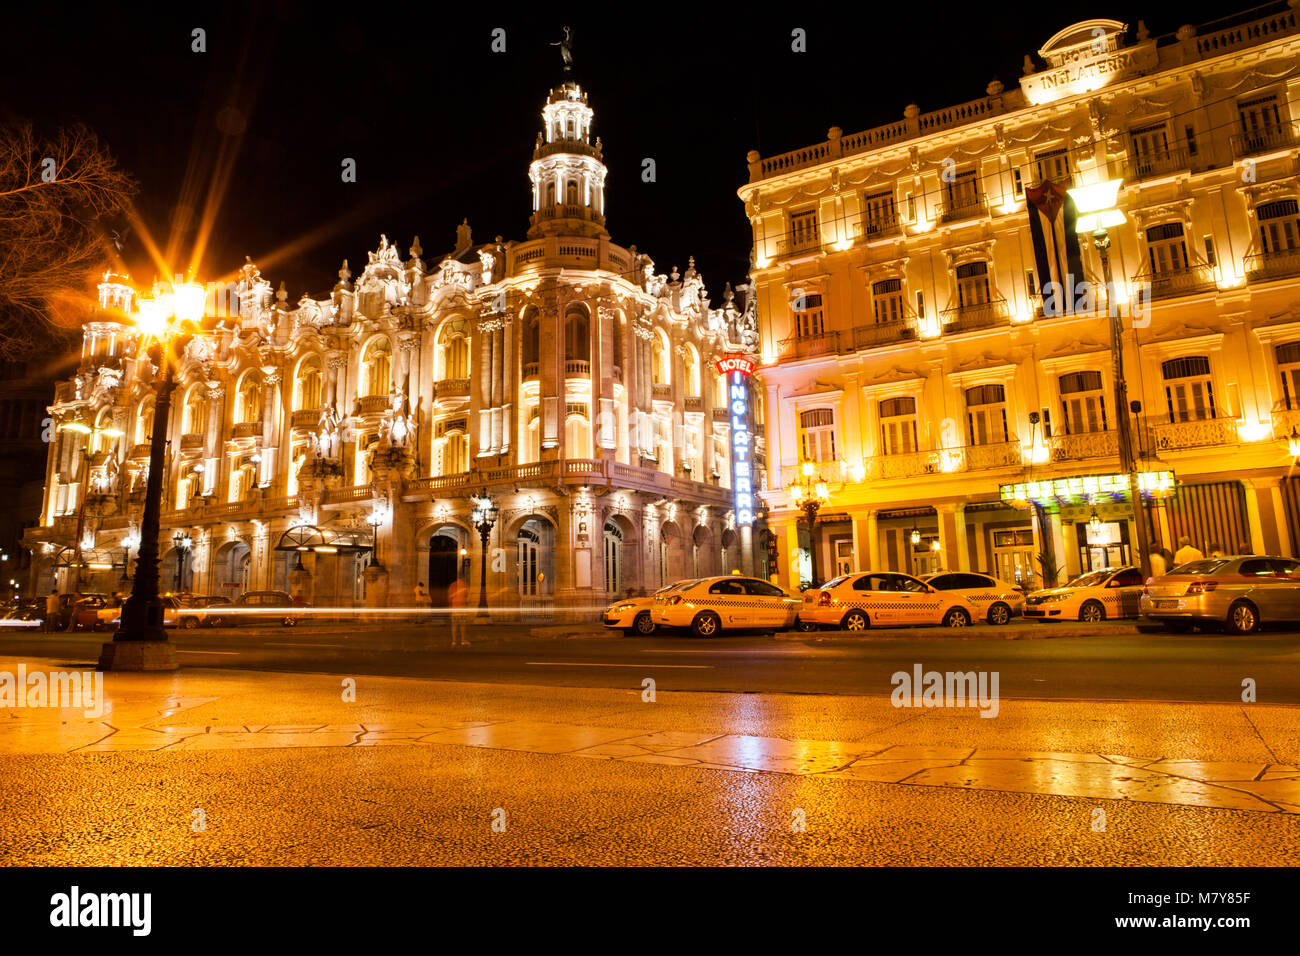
(1239, 591)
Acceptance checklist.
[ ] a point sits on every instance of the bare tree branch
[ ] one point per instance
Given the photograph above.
(52, 230)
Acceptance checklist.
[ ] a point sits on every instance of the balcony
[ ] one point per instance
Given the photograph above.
(1172, 283)
(662, 391)
(449, 387)
(530, 370)
(1264, 266)
(374, 404)
(964, 207)
(191, 442)
(981, 315)
(1171, 436)
(807, 346)
(1165, 163)
(246, 430)
(577, 368)
(1265, 141)
(722, 415)
(792, 247)
(1006, 454)
(883, 333)
(1285, 419)
(138, 452)
(1085, 445)
(878, 227)
(693, 403)
(307, 418)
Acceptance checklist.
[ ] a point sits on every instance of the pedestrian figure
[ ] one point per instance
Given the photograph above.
(1216, 549)
(457, 597)
(1187, 553)
(52, 610)
(1158, 563)
(421, 595)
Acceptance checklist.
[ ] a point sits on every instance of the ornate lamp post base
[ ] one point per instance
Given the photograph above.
(138, 656)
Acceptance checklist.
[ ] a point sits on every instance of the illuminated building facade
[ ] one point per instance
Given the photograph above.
(909, 352)
(333, 446)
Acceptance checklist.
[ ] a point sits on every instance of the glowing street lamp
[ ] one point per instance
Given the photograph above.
(1293, 443)
(484, 517)
(164, 324)
(1097, 212)
(809, 494)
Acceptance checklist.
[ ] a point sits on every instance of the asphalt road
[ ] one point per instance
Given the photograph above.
(1163, 667)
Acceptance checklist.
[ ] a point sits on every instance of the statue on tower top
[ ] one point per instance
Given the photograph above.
(566, 49)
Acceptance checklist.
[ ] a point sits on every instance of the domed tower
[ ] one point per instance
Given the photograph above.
(567, 174)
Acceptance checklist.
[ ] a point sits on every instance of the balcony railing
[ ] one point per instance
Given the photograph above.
(661, 390)
(1194, 434)
(1263, 266)
(981, 315)
(246, 430)
(139, 451)
(806, 346)
(530, 370)
(1171, 283)
(1265, 141)
(964, 207)
(1159, 164)
(693, 403)
(451, 386)
(996, 455)
(307, 418)
(883, 333)
(370, 404)
(878, 227)
(721, 415)
(1099, 444)
(1285, 419)
(805, 243)
(191, 442)
(575, 368)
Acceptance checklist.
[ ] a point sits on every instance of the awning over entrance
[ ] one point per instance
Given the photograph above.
(309, 537)
(96, 559)
(1086, 489)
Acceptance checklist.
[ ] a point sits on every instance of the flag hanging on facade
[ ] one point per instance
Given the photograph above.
(1056, 246)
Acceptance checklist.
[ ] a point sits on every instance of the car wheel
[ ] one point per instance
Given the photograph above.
(999, 613)
(1092, 612)
(189, 623)
(855, 620)
(956, 617)
(643, 624)
(706, 624)
(804, 626)
(1243, 618)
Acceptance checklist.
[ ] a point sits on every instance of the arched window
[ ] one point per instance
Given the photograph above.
(1189, 391)
(377, 367)
(307, 384)
(456, 357)
(986, 414)
(571, 193)
(577, 336)
(144, 422)
(898, 425)
(531, 344)
(1279, 227)
(1083, 402)
(818, 439)
(972, 284)
(577, 435)
(1288, 364)
(248, 402)
(1166, 248)
(550, 194)
(533, 435)
(691, 366)
(659, 359)
(195, 419)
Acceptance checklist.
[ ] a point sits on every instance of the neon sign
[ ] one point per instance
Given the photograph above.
(741, 466)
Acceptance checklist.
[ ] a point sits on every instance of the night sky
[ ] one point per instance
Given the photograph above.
(442, 128)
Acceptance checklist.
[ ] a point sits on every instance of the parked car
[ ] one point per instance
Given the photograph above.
(708, 606)
(995, 600)
(110, 616)
(255, 607)
(200, 610)
(636, 615)
(72, 606)
(23, 614)
(1094, 596)
(1240, 591)
(855, 602)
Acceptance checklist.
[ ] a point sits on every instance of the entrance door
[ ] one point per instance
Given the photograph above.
(613, 560)
(443, 567)
(529, 563)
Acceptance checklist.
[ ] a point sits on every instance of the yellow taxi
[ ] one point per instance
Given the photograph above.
(855, 602)
(996, 600)
(1094, 596)
(707, 606)
(636, 615)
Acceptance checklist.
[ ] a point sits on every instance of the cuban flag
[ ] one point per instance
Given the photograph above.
(1056, 246)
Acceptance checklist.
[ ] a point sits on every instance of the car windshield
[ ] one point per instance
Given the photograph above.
(836, 582)
(1092, 579)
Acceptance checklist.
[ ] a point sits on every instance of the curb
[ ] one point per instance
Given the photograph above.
(1044, 632)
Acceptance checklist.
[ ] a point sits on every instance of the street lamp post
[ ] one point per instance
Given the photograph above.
(182, 542)
(809, 494)
(1097, 213)
(140, 642)
(484, 517)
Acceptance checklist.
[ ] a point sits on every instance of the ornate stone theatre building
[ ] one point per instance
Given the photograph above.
(959, 424)
(335, 446)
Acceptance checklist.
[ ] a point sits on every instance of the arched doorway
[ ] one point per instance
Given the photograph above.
(230, 569)
(613, 560)
(535, 561)
(444, 566)
(704, 558)
(672, 554)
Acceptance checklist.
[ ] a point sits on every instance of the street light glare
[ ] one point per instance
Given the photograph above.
(1096, 197)
(151, 317)
(188, 301)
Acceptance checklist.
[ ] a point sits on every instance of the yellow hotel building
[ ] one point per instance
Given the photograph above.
(907, 353)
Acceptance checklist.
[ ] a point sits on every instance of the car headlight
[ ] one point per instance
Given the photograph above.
(620, 608)
(1056, 597)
